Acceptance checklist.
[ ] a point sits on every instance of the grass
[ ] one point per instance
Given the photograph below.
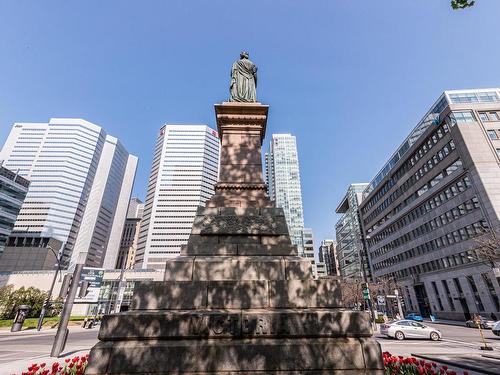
(30, 323)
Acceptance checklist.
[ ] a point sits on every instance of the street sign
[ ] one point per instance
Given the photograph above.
(391, 296)
(91, 280)
(381, 300)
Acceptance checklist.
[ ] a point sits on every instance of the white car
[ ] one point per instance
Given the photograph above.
(496, 328)
(483, 322)
(409, 329)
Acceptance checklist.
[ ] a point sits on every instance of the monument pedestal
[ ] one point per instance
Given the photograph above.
(238, 300)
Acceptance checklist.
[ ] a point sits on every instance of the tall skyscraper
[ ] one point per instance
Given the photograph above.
(283, 180)
(327, 255)
(80, 183)
(183, 174)
(351, 249)
(13, 190)
(308, 243)
(130, 236)
(437, 194)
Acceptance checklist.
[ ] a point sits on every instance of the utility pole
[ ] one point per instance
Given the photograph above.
(62, 329)
(121, 290)
(49, 295)
(366, 291)
(400, 309)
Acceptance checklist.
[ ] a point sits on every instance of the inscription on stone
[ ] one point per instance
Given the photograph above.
(249, 325)
(265, 325)
(215, 325)
(235, 224)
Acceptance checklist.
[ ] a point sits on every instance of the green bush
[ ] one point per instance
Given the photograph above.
(33, 297)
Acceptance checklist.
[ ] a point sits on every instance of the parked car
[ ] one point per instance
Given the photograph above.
(402, 329)
(496, 328)
(414, 316)
(483, 322)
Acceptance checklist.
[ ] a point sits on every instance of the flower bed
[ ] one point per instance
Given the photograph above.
(411, 366)
(393, 366)
(73, 366)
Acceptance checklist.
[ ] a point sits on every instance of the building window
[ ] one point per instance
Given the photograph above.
(436, 291)
(475, 97)
(463, 116)
(491, 289)
(492, 134)
(477, 298)
(498, 152)
(448, 294)
(489, 116)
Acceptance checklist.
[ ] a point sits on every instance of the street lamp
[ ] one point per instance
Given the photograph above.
(365, 278)
(49, 295)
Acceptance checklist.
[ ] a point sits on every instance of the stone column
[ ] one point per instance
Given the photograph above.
(242, 128)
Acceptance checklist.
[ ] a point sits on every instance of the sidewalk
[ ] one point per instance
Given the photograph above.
(447, 322)
(19, 350)
(7, 332)
(17, 367)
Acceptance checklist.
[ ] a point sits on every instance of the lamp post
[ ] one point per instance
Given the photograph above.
(49, 295)
(62, 329)
(365, 278)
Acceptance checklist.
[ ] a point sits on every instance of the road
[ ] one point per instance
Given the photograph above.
(19, 349)
(456, 339)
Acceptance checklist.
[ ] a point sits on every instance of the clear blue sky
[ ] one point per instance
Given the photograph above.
(349, 78)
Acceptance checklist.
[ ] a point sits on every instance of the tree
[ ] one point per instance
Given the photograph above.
(352, 292)
(32, 297)
(487, 247)
(461, 4)
(10, 299)
(7, 302)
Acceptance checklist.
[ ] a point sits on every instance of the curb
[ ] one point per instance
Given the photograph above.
(457, 324)
(429, 357)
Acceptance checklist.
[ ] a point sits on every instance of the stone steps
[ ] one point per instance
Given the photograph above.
(237, 267)
(214, 249)
(179, 295)
(235, 323)
(346, 356)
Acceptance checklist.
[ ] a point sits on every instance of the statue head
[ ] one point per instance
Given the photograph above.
(244, 55)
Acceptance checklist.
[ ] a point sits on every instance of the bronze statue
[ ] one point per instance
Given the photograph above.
(243, 80)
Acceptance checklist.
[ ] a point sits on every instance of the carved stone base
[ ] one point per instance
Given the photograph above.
(245, 356)
(238, 301)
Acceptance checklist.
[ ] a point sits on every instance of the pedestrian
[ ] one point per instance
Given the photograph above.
(493, 317)
(85, 321)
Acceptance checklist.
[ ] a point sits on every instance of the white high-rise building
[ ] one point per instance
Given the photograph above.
(183, 174)
(80, 185)
(283, 180)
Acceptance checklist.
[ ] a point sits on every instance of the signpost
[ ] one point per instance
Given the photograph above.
(90, 285)
(86, 284)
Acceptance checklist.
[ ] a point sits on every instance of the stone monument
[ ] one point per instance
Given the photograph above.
(238, 300)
